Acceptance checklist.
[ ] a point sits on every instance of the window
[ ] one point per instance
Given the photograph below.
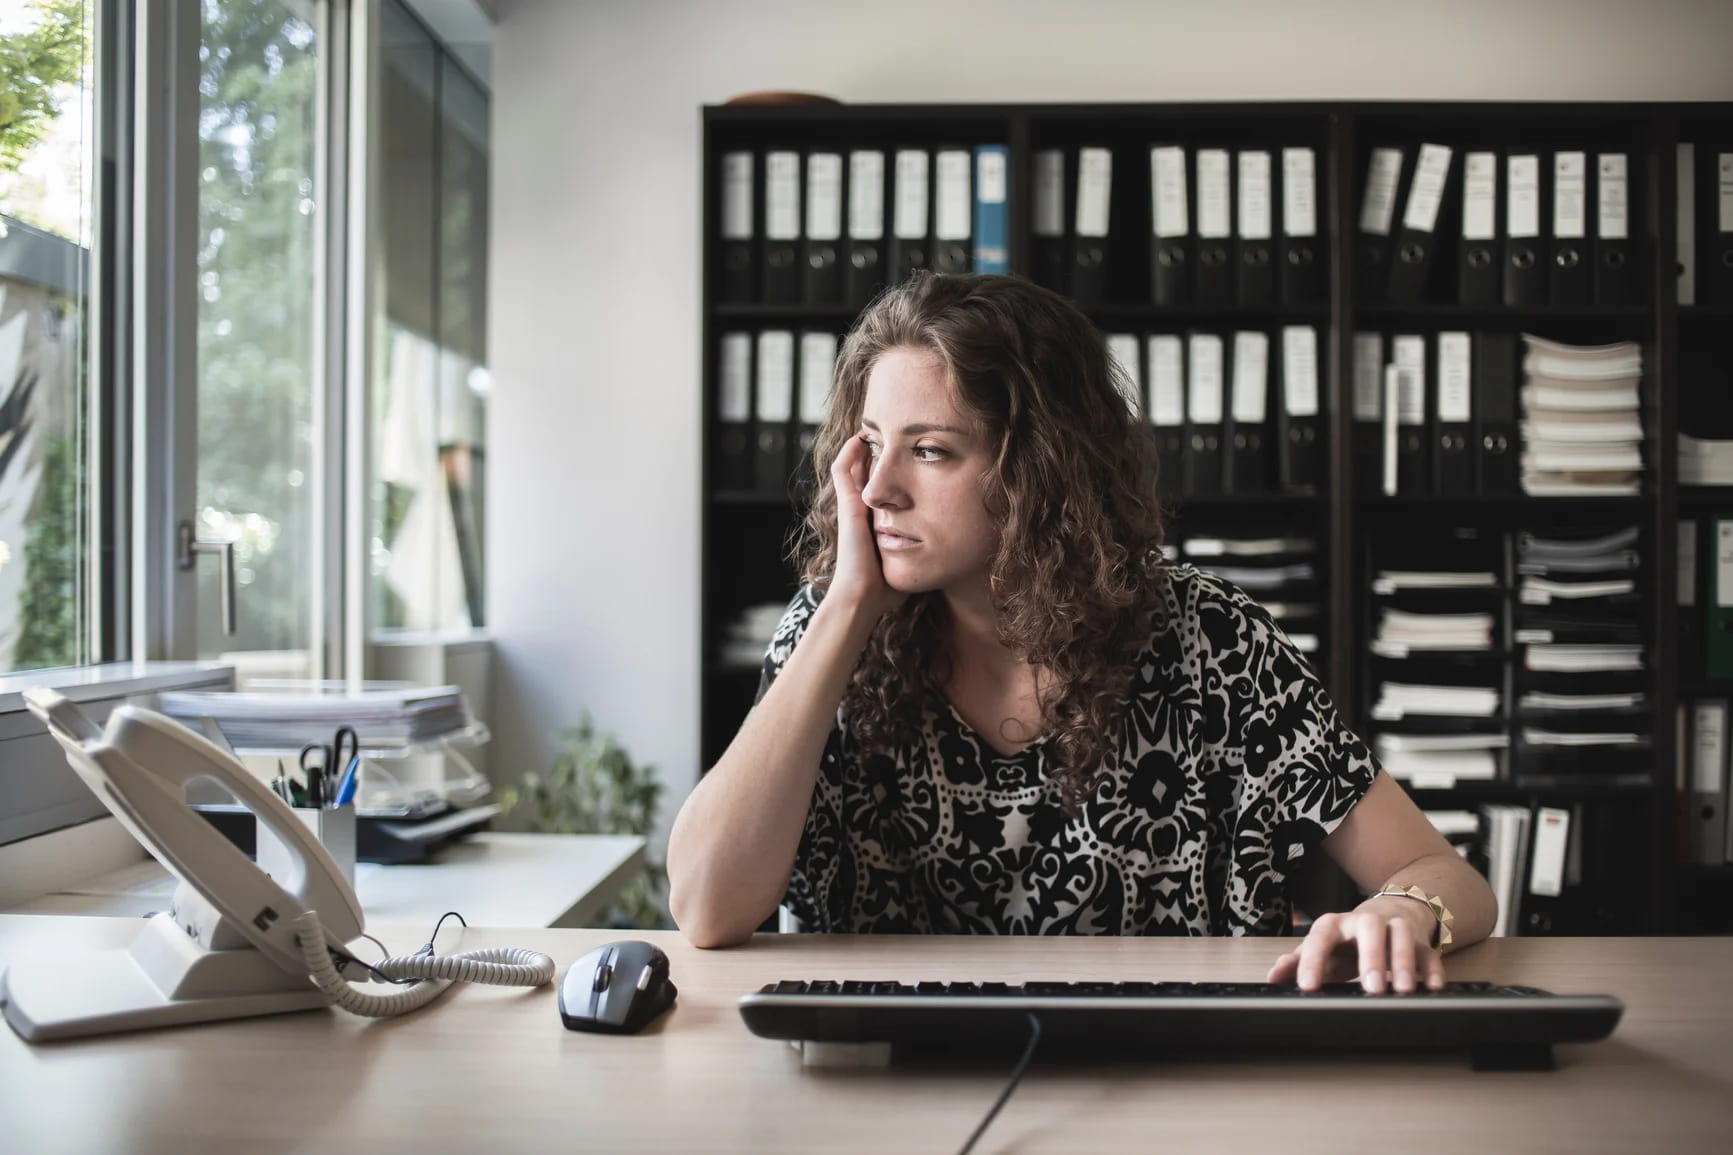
(49, 229)
(431, 398)
(258, 429)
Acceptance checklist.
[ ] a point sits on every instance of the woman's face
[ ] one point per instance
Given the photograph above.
(928, 482)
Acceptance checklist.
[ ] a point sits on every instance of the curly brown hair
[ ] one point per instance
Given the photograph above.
(1071, 483)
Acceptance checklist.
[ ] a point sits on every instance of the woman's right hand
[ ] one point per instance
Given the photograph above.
(859, 574)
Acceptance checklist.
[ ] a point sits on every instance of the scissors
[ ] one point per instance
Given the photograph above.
(332, 767)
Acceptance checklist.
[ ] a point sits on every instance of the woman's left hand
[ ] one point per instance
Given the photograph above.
(1378, 936)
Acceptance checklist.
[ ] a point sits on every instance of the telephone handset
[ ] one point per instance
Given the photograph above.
(291, 933)
(141, 764)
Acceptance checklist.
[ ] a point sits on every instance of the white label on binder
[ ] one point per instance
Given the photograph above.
(1368, 376)
(817, 365)
(954, 208)
(1214, 216)
(824, 196)
(991, 175)
(1612, 198)
(909, 211)
(1479, 196)
(1050, 193)
(737, 196)
(1724, 562)
(734, 400)
(1382, 177)
(1724, 185)
(1300, 370)
(1453, 387)
(782, 208)
(1392, 405)
(1204, 400)
(1569, 194)
(1255, 195)
(1169, 212)
(1166, 382)
(1551, 836)
(866, 195)
(1708, 746)
(1122, 351)
(1523, 212)
(1299, 192)
(1409, 353)
(1251, 376)
(1687, 562)
(1094, 190)
(1685, 240)
(1430, 173)
(775, 375)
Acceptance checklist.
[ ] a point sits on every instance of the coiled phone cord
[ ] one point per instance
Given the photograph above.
(428, 974)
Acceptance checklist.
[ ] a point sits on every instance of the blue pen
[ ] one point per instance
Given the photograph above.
(351, 779)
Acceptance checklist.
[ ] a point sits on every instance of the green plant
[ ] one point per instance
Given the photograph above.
(593, 787)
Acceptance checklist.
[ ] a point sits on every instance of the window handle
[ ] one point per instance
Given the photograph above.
(188, 549)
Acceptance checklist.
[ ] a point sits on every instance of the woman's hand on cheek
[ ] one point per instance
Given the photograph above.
(859, 573)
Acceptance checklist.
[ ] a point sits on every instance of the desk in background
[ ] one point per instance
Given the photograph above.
(490, 1068)
(491, 879)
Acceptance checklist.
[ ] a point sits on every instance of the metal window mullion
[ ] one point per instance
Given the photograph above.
(363, 266)
(161, 324)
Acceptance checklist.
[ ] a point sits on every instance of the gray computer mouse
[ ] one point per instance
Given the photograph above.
(616, 989)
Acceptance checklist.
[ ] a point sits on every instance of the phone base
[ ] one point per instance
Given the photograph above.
(165, 978)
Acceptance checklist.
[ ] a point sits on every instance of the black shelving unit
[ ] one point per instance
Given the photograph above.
(745, 531)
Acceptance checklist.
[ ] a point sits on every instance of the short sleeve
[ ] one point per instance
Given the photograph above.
(815, 885)
(1301, 768)
(788, 633)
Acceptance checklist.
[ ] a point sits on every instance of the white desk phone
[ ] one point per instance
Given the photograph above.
(235, 941)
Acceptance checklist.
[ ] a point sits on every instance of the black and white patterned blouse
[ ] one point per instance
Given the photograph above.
(1233, 768)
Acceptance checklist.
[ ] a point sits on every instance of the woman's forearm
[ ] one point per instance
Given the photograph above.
(1472, 905)
(732, 846)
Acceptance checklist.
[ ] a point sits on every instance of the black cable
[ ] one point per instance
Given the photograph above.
(1016, 1075)
(427, 947)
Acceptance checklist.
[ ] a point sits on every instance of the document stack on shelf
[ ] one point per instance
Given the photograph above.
(1705, 461)
(1581, 425)
(748, 636)
(1438, 661)
(1279, 573)
(1581, 682)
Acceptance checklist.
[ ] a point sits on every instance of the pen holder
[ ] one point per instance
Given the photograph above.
(334, 827)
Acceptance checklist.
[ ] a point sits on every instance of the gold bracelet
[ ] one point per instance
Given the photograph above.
(1440, 936)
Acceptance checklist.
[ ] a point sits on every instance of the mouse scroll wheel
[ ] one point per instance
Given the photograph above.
(604, 976)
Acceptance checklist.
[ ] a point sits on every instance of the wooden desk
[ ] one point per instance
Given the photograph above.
(492, 1069)
(492, 879)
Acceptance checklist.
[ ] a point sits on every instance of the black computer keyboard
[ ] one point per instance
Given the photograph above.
(1502, 1025)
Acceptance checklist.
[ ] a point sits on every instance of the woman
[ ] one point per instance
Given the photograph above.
(992, 708)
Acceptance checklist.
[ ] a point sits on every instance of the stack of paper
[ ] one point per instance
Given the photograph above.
(1439, 761)
(1396, 701)
(289, 714)
(1580, 682)
(1581, 425)
(1705, 462)
(748, 636)
(1401, 632)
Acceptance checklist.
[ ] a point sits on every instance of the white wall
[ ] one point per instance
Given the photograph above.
(594, 489)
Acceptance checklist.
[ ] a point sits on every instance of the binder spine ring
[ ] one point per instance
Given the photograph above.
(1479, 258)
(1523, 258)
(1567, 258)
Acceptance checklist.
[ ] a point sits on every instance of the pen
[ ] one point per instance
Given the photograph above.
(346, 788)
